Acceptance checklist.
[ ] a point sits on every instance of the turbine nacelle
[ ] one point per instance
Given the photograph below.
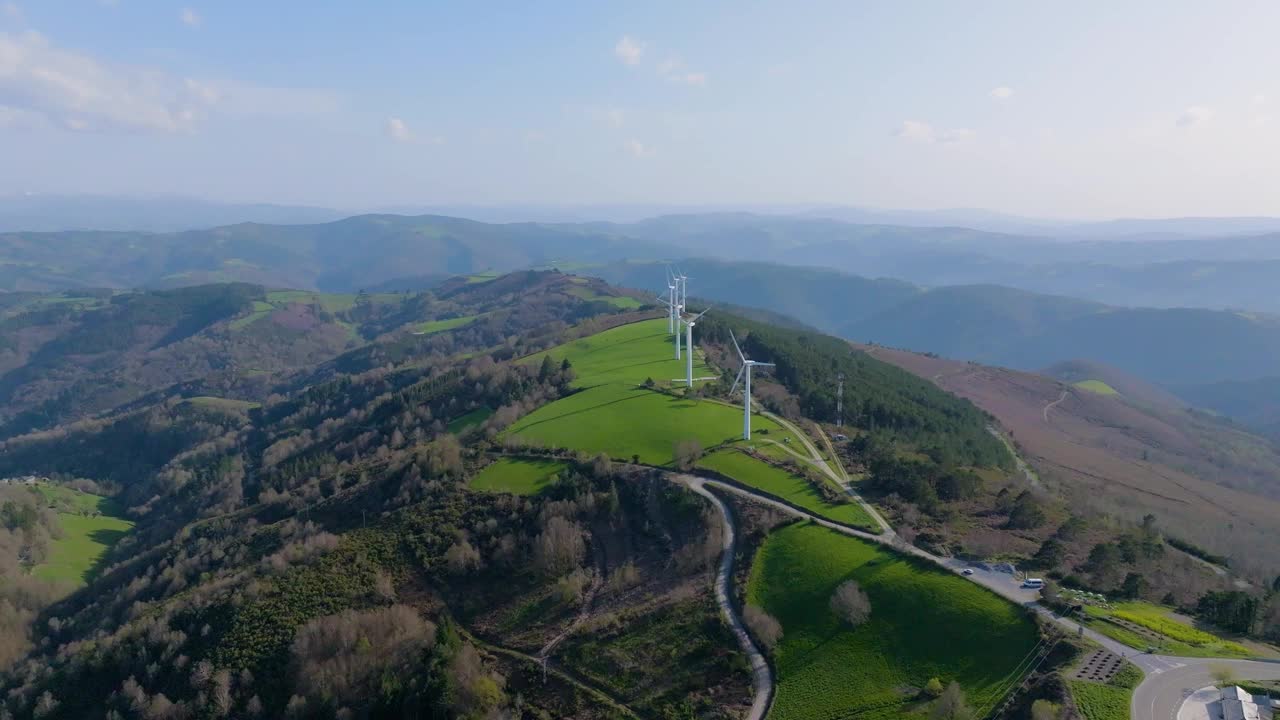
(745, 372)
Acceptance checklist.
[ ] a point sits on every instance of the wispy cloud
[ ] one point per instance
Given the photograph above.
(46, 84)
(11, 11)
(637, 148)
(916, 131)
(629, 51)
(673, 69)
(1194, 115)
(191, 18)
(617, 117)
(1002, 93)
(399, 130)
(922, 132)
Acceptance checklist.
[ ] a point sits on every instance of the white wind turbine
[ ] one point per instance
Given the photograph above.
(672, 313)
(688, 378)
(747, 365)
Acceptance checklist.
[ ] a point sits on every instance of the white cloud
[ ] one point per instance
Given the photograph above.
(191, 18)
(1194, 115)
(1002, 93)
(922, 132)
(695, 78)
(637, 148)
(398, 130)
(628, 50)
(47, 85)
(916, 131)
(617, 117)
(1259, 99)
(673, 69)
(957, 135)
(534, 136)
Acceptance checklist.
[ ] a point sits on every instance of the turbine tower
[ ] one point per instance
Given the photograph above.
(688, 378)
(747, 365)
(673, 317)
(840, 401)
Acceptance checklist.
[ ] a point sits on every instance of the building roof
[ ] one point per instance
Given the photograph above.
(1240, 705)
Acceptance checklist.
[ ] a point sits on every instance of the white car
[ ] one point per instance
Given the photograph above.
(967, 571)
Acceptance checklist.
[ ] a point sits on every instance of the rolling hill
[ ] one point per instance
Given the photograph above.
(1208, 482)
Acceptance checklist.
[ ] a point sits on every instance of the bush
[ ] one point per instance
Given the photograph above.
(763, 626)
(850, 603)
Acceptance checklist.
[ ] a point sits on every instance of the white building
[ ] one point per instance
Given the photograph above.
(1240, 705)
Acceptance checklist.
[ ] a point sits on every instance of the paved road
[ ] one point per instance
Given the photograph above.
(761, 675)
(1171, 679)
(1168, 680)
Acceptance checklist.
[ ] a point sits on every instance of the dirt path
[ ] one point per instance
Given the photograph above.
(597, 579)
(1054, 404)
(761, 674)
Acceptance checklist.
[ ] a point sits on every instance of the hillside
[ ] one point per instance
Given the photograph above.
(341, 256)
(1204, 480)
(344, 499)
(1255, 404)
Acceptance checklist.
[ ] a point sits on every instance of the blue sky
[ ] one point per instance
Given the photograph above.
(1079, 110)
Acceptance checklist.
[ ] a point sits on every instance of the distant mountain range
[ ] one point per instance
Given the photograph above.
(990, 324)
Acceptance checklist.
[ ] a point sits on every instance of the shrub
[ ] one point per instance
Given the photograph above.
(850, 603)
(763, 626)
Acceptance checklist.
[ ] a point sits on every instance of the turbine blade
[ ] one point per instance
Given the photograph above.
(736, 380)
(741, 357)
(760, 364)
(704, 312)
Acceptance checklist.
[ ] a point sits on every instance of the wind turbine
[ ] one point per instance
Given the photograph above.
(673, 317)
(688, 351)
(746, 387)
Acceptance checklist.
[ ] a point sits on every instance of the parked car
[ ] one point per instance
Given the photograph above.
(1033, 583)
(967, 571)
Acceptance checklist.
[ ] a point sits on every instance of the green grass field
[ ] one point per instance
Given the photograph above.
(1097, 386)
(625, 303)
(1107, 701)
(795, 490)
(924, 623)
(85, 539)
(434, 326)
(475, 417)
(217, 403)
(614, 415)
(1173, 637)
(519, 476)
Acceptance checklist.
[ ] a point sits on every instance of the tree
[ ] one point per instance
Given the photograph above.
(1045, 710)
(850, 603)
(1134, 586)
(1026, 513)
(1275, 584)
(952, 705)
(688, 453)
(1230, 610)
(1222, 674)
(601, 466)
(462, 557)
(560, 548)
(763, 626)
(933, 688)
(1051, 554)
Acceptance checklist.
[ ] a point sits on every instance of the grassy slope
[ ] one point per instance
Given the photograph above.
(1097, 386)
(795, 490)
(475, 417)
(1106, 701)
(612, 414)
(518, 476)
(925, 623)
(1171, 636)
(435, 326)
(84, 539)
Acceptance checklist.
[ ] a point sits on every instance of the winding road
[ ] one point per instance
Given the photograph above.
(761, 674)
(1168, 680)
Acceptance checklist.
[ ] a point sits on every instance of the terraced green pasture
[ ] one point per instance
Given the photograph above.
(519, 476)
(615, 415)
(777, 482)
(924, 623)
